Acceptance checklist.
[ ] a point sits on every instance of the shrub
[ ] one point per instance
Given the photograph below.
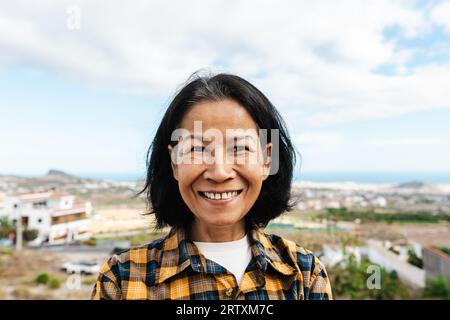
(438, 288)
(91, 242)
(42, 278)
(90, 280)
(6, 228)
(392, 249)
(8, 251)
(54, 283)
(349, 280)
(414, 259)
(30, 234)
(444, 249)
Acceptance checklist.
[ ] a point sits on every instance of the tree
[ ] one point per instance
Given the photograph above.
(30, 234)
(437, 288)
(349, 280)
(414, 259)
(6, 228)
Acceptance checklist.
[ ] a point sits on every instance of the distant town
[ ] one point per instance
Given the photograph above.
(64, 225)
(404, 197)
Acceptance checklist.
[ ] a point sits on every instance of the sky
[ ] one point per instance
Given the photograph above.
(362, 85)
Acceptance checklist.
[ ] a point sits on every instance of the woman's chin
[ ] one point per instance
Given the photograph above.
(221, 221)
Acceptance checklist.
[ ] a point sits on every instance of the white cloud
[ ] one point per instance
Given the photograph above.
(350, 152)
(441, 14)
(316, 56)
(409, 143)
(319, 140)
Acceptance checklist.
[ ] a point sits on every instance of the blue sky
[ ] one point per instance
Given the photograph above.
(363, 85)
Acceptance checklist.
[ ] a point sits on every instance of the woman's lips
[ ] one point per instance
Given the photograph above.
(220, 198)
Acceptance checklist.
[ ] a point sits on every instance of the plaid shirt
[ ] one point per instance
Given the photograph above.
(172, 268)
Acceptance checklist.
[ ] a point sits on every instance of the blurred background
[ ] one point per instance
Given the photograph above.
(362, 85)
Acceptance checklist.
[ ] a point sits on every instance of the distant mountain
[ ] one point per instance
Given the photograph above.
(61, 181)
(60, 174)
(421, 187)
(412, 185)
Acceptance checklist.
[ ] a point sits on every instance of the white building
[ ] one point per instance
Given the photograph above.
(379, 255)
(55, 215)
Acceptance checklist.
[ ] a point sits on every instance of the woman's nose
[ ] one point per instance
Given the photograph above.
(219, 172)
(220, 168)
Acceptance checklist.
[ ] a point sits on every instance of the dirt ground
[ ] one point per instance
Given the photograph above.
(114, 219)
(18, 271)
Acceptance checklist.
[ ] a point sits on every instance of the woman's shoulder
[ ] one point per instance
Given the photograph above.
(136, 255)
(293, 252)
(311, 270)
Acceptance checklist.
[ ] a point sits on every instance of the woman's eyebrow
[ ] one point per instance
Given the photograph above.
(241, 137)
(194, 137)
(202, 138)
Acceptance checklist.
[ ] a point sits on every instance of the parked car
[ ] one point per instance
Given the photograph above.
(81, 267)
(5, 242)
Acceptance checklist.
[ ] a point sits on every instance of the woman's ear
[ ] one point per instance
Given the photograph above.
(267, 165)
(172, 164)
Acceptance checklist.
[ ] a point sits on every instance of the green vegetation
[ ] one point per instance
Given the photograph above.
(350, 281)
(414, 259)
(54, 283)
(89, 280)
(445, 250)
(350, 240)
(42, 278)
(438, 288)
(7, 229)
(392, 249)
(7, 251)
(343, 214)
(91, 242)
(30, 234)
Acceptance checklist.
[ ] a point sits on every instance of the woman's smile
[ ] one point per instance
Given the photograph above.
(220, 198)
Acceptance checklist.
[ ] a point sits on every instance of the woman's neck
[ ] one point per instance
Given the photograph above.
(202, 232)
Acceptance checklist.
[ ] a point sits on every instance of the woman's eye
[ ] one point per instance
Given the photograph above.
(239, 148)
(197, 149)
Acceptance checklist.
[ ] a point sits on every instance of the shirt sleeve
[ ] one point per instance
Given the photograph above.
(319, 287)
(106, 286)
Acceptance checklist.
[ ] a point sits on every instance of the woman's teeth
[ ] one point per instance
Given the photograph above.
(220, 196)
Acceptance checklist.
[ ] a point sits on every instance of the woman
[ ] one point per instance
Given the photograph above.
(216, 179)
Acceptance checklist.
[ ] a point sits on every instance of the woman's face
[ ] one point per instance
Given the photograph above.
(219, 174)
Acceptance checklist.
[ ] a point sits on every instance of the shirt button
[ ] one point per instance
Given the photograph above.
(229, 292)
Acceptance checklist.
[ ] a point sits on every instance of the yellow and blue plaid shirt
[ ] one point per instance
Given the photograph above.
(173, 268)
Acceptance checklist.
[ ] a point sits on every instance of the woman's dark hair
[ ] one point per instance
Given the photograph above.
(161, 188)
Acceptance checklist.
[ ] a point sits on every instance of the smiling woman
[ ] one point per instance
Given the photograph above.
(211, 178)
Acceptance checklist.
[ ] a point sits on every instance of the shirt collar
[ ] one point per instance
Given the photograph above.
(269, 255)
(179, 252)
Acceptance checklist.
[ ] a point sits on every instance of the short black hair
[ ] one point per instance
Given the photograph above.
(161, 188)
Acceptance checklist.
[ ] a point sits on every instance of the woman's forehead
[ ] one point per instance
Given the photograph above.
(221, 115)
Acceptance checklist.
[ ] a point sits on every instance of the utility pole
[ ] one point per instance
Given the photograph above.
(19, 228)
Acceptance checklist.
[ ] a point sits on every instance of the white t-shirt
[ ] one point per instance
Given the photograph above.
(233, 255)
